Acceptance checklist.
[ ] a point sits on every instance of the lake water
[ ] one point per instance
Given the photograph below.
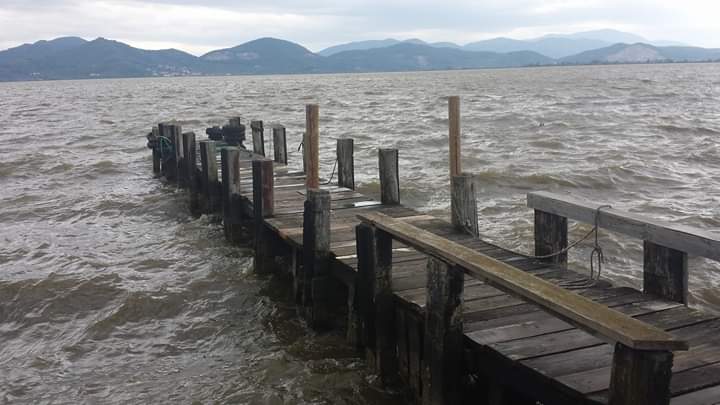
(111, 293)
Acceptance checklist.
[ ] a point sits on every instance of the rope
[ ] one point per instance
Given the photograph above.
(332, 174)
(596, 255)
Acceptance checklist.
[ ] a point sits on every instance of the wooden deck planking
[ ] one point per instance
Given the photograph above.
(496, 321)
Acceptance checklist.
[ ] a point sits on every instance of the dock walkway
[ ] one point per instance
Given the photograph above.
(514, 350)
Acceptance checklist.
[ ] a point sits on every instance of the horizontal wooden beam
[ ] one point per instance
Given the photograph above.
(686, 239)
(567, 305)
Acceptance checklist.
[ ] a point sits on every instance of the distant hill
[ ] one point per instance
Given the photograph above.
(551, 47)
(407, 56)
(607, 35)
(93, 59)
(381, 43)
(76, 58)
(264, 55)
(642, 53)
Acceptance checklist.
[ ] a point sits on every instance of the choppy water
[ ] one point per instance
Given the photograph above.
(111, 293)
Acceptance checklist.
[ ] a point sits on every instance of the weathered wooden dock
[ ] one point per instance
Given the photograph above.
(440, 312)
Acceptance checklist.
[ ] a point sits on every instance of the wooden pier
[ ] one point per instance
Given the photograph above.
(438, 311)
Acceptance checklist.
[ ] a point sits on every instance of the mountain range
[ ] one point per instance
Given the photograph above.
(77, 58)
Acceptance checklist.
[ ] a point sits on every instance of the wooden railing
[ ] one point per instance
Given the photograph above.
(643, 354)
(666, 246)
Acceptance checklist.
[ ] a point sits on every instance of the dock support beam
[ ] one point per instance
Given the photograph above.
(551, 236)
(258, 135)
(210, 183)
(443, 353)
(665, 272)
(345, 163)
(389, 176)
(169, 164)
(463, 204)
(191, 175)
(156, 151)
(377, 312)
(230, 169)
(179, 156)
(280, 145)
(316, 257)
(640, 377)
(263, 207)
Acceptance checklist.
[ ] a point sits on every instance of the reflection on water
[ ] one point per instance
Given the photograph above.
(110, 292)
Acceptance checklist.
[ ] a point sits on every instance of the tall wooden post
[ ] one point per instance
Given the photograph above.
(312, 146)
(156, 151)
(640, 377)
(258, 135)
(665, 272)
(386, 355)
(191, 176)
(210, 183)
(389, 176)
(454, 123)
(551, 236)
(463, 204)
(230, 170)
(280, 145)
(442, 368)
(263, 207)
(316, 257)
(364, 286)
(345, 163)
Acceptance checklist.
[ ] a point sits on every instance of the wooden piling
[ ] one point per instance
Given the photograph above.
(463, 204)
(312, 146)
(389, 176)
(178, 140)
(551, 236)
(386, 355)
(364, 285)
(169, 164)
(230, 171)
(345, 163)
(454, 135)
(316, 257)
(210, 184)
(156, 151)
(640, 377)
(443, 353)
(263, 207)
(191, 171)
(665, 272)
(258, 135)
(280, 145)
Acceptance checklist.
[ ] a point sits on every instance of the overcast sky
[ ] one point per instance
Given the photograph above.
(199, 26)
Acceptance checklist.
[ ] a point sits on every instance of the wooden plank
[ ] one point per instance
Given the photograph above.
(572, 307)
(687, 239)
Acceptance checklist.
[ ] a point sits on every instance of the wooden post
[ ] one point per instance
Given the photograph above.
(169, 164)
(263, 207)
(230, 170)
(280, 144)
(389, 176)
(312, 146)
(156, 151)
(258, 135)
(191, 175)
(551, 236)
(316, 257)
(345, 163)
(665, 272)
(179, 156)
(386, 355)
(640, 377)
(463, 204)
(364, 285)
(454, 124)
(210, 183)
(443, 359)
